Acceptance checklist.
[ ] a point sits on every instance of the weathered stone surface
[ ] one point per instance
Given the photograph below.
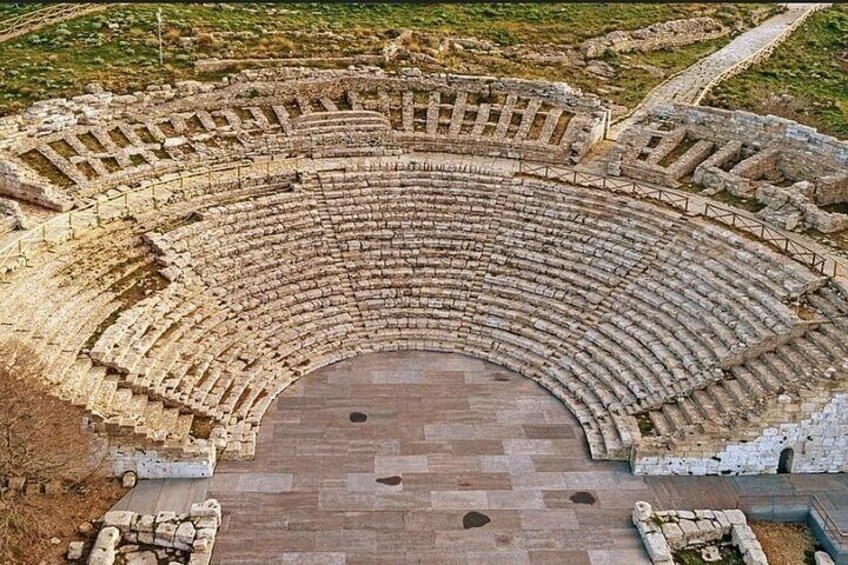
(673, 33)
(75, 549)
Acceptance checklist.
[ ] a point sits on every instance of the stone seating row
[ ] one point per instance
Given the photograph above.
(67, 299)
(259, 330)
(743, 392)
(610, 310)
(64, 304)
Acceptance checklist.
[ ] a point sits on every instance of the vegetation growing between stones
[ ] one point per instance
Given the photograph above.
(118, 47)
(646, 427)
(804, 79)
(730, 556)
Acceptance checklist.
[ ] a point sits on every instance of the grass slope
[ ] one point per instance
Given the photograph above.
(118, 47)
(805, 79)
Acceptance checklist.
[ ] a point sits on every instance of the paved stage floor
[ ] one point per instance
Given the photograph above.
(380, 460)
(444, 435)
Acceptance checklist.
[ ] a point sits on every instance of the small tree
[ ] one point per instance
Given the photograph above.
(41, 437)
(42, 440)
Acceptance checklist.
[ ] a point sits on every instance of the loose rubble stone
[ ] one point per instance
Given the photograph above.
(75, 549)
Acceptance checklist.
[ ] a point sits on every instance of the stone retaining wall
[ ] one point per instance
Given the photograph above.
(665, 35)
(811, 425)
(666, 531)
(165, 537)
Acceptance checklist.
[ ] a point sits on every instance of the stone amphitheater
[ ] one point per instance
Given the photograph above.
(181, 256)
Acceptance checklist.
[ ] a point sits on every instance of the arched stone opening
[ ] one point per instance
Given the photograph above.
(784, 463)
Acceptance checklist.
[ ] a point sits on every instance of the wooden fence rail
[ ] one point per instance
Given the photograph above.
(50, 14)
(65, 226)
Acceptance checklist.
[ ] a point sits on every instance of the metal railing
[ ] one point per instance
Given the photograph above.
(815, 261)
(627, 187)
(63, 227)
(836, 535)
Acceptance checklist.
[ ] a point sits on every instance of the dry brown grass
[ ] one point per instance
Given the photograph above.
(785, 544)
(42, 440)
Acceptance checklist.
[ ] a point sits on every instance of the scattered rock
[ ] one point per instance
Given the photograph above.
(710, 554)
(75, 550)
(129, 479)
(823, 558)
(601, 69)
(358, 417)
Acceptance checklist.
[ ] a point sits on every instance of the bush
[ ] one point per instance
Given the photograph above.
(42, 440)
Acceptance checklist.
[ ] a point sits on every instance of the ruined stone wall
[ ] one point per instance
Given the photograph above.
(11, 216)
(63, 152)
(813, 427)
(806, 154)
(663, 35)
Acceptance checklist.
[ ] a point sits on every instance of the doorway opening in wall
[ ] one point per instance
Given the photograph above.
(784, 464)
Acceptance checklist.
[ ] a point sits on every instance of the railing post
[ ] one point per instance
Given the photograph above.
(71, 224)
(153, 193)
(44, 231)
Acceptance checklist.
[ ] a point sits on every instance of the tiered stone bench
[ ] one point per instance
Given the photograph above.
(386, 219)
(586, 294)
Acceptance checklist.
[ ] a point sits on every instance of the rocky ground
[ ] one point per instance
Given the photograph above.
(64, 518)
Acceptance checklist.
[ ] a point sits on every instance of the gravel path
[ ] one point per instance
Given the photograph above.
(686, 86)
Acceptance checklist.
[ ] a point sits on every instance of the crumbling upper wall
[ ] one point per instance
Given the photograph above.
(62, 151)
(806, 153)
(662, 35)
(789, 167)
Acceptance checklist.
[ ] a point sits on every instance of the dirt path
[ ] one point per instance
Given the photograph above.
(688, 86)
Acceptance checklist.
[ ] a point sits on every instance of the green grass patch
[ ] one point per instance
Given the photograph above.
(729, 556)
(805, 79)
(9, 11)
(646, 426)
(118, 47)
(749, 204)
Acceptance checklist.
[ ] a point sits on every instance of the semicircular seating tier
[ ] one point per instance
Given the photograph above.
(628, 312)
